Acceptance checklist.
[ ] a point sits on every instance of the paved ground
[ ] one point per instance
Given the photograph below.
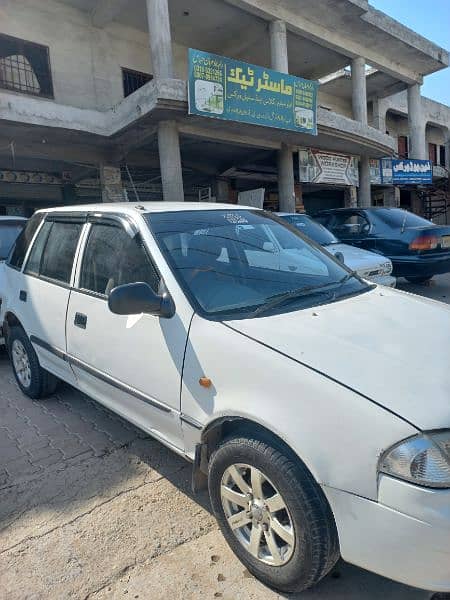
(91, 508)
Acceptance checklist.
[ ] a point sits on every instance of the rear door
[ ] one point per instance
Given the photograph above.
(44, 290)
(131, 364)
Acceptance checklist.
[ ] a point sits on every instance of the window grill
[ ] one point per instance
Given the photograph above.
(25, 67)
(133, 80)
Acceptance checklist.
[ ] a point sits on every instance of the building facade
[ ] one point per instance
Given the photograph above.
(94, 102)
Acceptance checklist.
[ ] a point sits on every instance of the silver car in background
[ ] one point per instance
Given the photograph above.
(375, 267)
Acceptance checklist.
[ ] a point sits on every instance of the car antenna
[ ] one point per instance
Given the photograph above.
(132, 183)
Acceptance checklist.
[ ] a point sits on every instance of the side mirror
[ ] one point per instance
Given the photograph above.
(138, 298)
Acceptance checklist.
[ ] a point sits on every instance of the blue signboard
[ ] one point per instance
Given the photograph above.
(407, 171)
(223, 88)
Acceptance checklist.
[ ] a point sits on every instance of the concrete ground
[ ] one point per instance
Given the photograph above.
(92, 508)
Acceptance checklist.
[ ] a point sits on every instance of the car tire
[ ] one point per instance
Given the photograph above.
(308, 548)
(34, 381)
(419, 279)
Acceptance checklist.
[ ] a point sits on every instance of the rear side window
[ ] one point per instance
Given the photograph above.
(54, 251)
(113, 258)
(24, 240)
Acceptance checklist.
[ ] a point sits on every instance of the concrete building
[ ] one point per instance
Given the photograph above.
(93, 100)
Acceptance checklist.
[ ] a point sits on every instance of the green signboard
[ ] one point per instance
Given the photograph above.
(223, 88)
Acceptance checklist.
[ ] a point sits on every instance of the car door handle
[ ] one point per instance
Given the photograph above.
(80, 320)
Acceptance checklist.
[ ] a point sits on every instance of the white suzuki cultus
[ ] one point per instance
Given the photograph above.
(316, 405)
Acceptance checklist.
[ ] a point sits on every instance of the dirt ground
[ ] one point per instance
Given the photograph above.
(92, 508)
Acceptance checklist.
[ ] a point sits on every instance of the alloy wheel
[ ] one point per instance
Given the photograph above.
(257, 514)
(21, 363)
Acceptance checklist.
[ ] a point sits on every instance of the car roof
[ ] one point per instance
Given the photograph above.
(145, 207)
(4, 218)
(286, 214)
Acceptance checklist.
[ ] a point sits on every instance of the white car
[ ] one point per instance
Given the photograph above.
(315, 404)
(10, 228)
(369, 265)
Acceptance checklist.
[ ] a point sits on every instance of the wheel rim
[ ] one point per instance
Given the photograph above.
(257, 514)
(21, 363)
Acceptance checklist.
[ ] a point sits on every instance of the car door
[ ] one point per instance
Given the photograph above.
(43, 291)
(131, 364)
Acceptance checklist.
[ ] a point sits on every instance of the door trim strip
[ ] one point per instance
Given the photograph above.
(99, 374)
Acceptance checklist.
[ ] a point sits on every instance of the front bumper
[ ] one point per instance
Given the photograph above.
(405, 536)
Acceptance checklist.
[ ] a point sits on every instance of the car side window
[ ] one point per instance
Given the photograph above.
(53, 253)
(113, 258)
(351, 224)
(23, 242)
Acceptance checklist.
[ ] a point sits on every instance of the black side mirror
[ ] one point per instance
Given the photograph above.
(138, 298)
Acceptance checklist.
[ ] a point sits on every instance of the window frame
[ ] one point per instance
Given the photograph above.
(133, 72)
(114, 220)
(55, 218)
(48, 96)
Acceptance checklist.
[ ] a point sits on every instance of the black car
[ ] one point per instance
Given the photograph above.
(417, 248)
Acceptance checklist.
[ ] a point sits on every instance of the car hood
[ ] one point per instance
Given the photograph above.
(390, 346)
(358, 260)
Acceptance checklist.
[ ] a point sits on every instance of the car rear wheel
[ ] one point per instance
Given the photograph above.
(419, 279)
(272, 513)
(33, 380)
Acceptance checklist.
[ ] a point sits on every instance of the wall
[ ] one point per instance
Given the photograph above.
(342, 106)
(86, 61)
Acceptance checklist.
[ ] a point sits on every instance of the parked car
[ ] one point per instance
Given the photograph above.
(315, 404)
(10, 228)
(418, 248)
(369, 265)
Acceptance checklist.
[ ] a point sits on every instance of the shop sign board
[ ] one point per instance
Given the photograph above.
(375, 171)
(407, 171)
(224, 88)
(317, 166)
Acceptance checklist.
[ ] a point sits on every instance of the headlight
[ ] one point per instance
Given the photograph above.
(423, 459)
(387, 268)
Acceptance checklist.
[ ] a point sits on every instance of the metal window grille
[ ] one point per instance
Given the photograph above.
(133, 80)
(25, 67)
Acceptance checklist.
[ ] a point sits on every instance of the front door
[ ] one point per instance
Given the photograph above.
(131, 364)
(355, 228)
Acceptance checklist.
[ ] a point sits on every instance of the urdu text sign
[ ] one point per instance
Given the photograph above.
(223, 88)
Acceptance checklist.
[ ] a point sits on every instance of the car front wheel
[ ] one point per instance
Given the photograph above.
(33, 380)
(272, 513)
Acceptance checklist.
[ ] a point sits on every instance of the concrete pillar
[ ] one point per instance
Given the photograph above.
(280, 62)
(379, 115)
(391, 197)
(364, 196)
(111, 184)
(170, 161)
(160, 38)
(286, 183)
(359, 90)
(351, 197)
(417, 145)
(447, 149)
(278, 46)
(222, 191)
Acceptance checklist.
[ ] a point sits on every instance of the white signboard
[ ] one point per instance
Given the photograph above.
(252, 198)
(328, 167)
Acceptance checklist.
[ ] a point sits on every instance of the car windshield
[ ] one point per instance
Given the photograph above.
(398, 218)
(244, 263)
(9, 231)
(312, 229)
